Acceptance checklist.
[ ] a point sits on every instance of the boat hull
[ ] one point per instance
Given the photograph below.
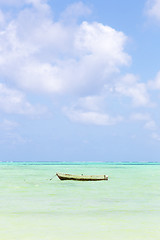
(62, 176)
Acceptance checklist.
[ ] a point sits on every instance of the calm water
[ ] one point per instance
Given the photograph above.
(127, 207)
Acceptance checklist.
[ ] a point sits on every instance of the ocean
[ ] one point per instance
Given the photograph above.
(33, 207)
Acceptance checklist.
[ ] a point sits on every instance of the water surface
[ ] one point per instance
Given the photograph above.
(33, 207)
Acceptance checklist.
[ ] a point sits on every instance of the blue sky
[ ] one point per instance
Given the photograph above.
(79, 80)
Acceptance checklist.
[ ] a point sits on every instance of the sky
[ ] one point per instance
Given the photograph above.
(80, 80)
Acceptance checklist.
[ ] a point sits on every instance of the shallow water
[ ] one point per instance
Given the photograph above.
(33, 207)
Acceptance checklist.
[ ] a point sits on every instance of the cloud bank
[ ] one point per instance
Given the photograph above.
(80, 60)
(51, 57)
(43, 56)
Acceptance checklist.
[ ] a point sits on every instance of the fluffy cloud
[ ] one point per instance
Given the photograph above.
(130, 86)
(91, 110)
(155, 84)
(91, 103)
(90, 117)
(78, 59)
(52, 57)
(14, 102)
(74, 11)
(153, 9)
(149, 123)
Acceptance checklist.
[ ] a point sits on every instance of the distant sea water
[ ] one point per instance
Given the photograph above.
(33, 207)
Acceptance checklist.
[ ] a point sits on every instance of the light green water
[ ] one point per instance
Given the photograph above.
(127, 207)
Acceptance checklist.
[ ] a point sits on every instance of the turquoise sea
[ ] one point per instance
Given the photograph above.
(33, 207)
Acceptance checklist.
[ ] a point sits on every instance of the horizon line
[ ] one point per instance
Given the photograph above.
(84, 162)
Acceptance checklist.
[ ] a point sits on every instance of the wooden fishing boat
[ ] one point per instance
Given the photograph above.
(63, 176)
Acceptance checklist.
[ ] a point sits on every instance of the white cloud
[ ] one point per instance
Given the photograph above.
(74, 11)
(149, 123)
(40, 77)
(90, 117)
(102, 41)
(14, 102)
(91, 110)
(153, 9)
(47, 56)
(155, 84)
(91, 103)
(130, 86)
(75, 58)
